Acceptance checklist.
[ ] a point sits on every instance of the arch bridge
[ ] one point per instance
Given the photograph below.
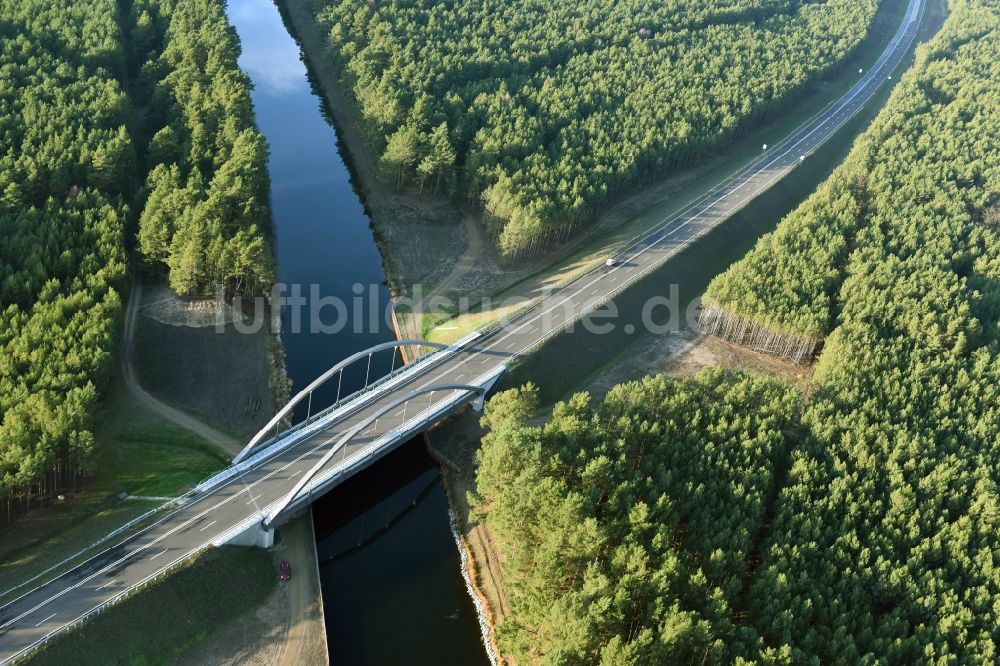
(360, 427)
(306, 394)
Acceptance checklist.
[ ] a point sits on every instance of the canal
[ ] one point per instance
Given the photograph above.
(392, 585)
(390, 571)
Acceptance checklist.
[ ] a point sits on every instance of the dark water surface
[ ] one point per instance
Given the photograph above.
(392, 586)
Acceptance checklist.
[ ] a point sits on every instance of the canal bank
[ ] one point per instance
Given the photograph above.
(400, 574)
(481, 278)
(420, 236)
(620, 356)
(732, 243)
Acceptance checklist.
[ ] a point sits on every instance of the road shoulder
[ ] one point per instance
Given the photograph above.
(287, 628)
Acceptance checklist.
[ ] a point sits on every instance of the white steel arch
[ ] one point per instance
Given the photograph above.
(350, 434)
(319, 381)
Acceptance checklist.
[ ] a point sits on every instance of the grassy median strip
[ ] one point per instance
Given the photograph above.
(164, 621)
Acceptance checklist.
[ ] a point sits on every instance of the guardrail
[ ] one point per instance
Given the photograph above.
(342, 408)
(285, 439)
(268, 449)
(375, 449)
(786, 145)
(121, 596)
(80, 553)
(365, 455)
(782, 145)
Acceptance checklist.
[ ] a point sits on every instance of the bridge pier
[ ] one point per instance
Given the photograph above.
(480, 401)
(254, 535)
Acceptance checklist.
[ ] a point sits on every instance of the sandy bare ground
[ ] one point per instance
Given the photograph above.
(470, 260)
(288, 629)
(458, 439)
(200, 428)
(420, 235)
(305, 641)
(429, 240)
(683, 354)
(166, 307)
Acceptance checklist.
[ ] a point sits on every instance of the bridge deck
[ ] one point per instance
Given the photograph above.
(214, 512)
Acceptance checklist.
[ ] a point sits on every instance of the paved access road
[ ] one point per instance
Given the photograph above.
(47, 607)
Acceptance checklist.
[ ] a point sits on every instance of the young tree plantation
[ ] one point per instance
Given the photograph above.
(706, 521)
(850, 515)
(884, 541)
(84, 86)
(541, 111)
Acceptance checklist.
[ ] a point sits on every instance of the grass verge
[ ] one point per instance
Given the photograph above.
(648, 207)
(171, 616)
(556, 366)
(140, 454)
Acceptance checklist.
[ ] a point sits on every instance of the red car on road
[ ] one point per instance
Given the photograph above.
(284, 571)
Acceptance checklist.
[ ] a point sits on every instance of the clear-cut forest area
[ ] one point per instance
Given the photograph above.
(539, 112)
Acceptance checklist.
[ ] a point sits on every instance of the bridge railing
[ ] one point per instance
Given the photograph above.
(286, 412)
(376, 448)
(363, 456)
(301, 430)
(373, 386)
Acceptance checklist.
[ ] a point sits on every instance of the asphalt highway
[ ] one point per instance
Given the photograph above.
(206, 517)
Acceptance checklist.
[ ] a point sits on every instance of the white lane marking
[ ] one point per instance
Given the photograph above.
(47, 619)
(252, 499)
(207, 526)
(851, 100)
(109, 583)
(292, 476)
(159, 553)
(225, 500)
(712, 197)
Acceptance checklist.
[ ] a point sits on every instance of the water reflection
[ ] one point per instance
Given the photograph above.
(321, 228)
(271, 60)
(392, 587)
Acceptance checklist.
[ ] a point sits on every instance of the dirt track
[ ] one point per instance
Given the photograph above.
(220, 439)
(305, 641)
(292, 621)
(287, 629)
(470, 258)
